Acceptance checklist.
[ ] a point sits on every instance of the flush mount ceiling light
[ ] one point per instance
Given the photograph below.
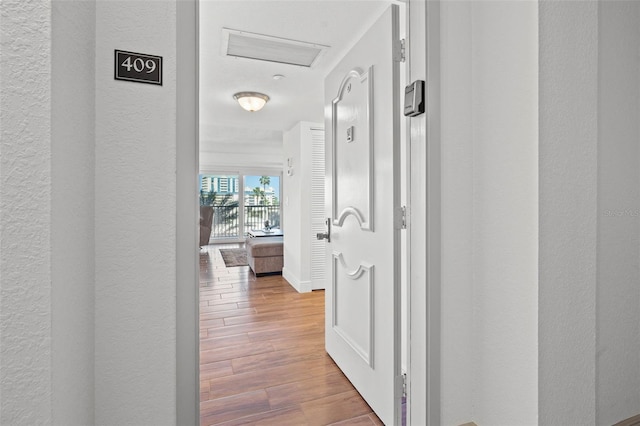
(251, 101)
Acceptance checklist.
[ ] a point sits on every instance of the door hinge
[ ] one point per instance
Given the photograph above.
(401, 217)
(401, 383)
(399, 51)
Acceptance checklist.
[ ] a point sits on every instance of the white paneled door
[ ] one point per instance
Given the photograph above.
(362, 203)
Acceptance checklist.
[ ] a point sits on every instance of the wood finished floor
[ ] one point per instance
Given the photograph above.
(262, 357)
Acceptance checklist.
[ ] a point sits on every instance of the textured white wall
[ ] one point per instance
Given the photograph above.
(585, 351)
(458, 342)
(489, 212)
(135, 225)
(49, 55)
(589, 220)
(72, 210)
(568, 210)
(505, 223)
(618, 270)
(25, 213)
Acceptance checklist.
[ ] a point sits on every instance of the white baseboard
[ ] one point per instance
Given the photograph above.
(300, 286)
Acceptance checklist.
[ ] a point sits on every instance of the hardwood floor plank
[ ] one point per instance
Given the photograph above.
(261, 379)
(215, 369)
(208, 297)
(237, 351)
(222, 301)
(262, 283)
(284, 416)
(227, 313)
(296, 329)
(267, 305)
(220, 410)
(211, 323)
(376, 420)
(358, 421)
(216, 287)
(252, 328)
(312, 339)
(240, 277)
(235, 293)
(307, 390)
(223, 342)
(335, 408)
(276, 358)
(270, 316)
(221, 307)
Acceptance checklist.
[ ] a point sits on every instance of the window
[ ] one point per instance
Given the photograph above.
(234, 212)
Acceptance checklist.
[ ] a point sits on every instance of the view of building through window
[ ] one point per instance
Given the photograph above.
(233, 210)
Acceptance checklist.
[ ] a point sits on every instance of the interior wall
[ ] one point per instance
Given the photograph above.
(589, 204)
(48, 188)
(457, 341)
(568, 211)
(25, 213)
(296, 215)
(505, 203)
(298, 221)
(489, 228)
(72, 211)
(233, 156)
(618, 268)
(135, 221)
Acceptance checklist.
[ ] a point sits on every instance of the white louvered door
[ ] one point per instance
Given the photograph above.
(318, 247)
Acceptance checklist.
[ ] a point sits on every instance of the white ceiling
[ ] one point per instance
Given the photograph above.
(298, 97)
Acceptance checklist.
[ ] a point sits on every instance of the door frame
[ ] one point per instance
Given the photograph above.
(423, 373)
(187, 215)
(423, 377)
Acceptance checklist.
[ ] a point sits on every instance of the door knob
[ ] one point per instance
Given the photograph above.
(325, 235)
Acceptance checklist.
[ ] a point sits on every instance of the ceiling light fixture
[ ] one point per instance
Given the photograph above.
(251, 101)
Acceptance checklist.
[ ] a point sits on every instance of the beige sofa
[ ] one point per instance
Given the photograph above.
(265, 255)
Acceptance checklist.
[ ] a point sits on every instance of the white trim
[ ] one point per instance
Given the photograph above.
(294, 281)
(247, 171)
(424, 220)
(187, 268)
(433, 208)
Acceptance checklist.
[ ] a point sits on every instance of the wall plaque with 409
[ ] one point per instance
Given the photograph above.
(138, 67)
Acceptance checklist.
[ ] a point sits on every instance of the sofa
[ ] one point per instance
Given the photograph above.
(265, 255)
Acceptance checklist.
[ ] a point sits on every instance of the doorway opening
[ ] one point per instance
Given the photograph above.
(230, 140)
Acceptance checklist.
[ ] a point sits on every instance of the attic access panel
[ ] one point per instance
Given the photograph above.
(242, 44)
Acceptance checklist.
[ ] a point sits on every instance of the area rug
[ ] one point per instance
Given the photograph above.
(234, 257)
